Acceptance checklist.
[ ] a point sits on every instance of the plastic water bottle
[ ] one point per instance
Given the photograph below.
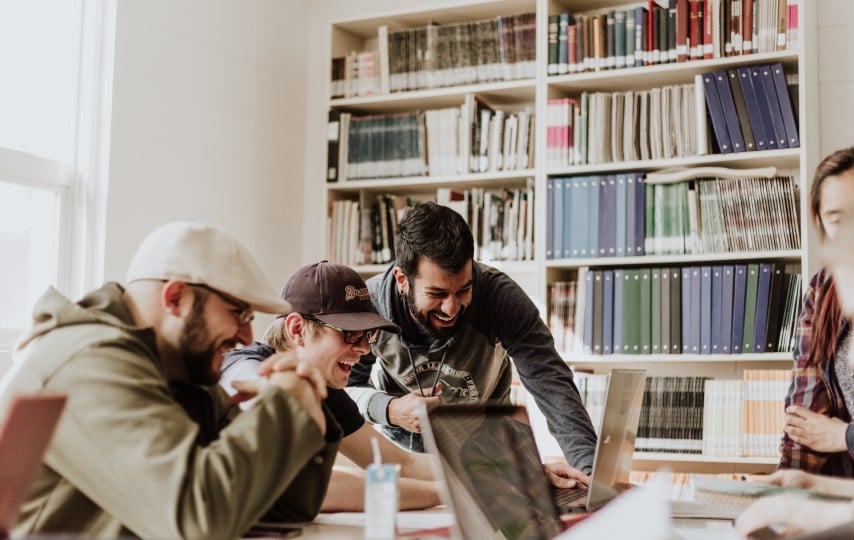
(380, 497)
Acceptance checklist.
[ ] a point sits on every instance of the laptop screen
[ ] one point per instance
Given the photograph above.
(495, 479)
(493, 471)
(25, 433)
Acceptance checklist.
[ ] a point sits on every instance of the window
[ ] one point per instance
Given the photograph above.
(56, 60)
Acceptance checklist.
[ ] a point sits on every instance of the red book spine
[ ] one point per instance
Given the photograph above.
(694, 42)
(708, 33)
(681, 30)
(747, 26)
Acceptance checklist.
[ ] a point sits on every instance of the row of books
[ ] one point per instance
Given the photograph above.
(670, 31)
(719, 309)
(474, 137)
(697, 415)
(504, 48)
(606, 127)
(622, 215)
(745, 417)
(502, 224)
(364, 234)
(432, 56)
(750, 108)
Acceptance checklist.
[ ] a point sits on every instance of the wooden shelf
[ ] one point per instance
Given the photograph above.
(422, 184)
(497, 93)
(651, 260)
(700, 458)
(645, 77)
(634, 359)
(786, 159)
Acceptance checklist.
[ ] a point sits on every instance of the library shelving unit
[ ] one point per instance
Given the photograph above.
(531, 91)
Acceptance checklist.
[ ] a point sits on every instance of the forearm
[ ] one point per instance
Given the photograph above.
(416, 466)
(830, 485)
(373, 404)
(347, 492)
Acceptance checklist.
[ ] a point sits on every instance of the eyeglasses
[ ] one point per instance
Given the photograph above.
(244, 313)
(351, 337)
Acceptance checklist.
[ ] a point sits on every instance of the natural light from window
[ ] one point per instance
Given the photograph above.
(52, 62)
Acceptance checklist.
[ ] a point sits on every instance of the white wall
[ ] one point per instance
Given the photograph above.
(836, 73)
(208, 124)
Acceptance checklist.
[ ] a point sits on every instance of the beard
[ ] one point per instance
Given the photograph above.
(197, 350)
(423, 319)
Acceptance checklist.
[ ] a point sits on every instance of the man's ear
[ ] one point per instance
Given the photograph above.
(402, 282)
(295, 328)
(171, 294)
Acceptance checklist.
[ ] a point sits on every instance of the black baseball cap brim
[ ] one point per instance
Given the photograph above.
(357, 321)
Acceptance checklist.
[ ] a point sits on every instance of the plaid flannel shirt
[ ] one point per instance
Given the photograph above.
(817, 390)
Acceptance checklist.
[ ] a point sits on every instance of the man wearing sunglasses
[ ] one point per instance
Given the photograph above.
(334, 323)
(126, 458)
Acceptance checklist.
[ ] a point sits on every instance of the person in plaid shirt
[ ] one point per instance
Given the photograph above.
(819, 435)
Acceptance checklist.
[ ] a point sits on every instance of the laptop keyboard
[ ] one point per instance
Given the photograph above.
(565, 497)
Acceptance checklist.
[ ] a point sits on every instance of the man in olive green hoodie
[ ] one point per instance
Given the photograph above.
(126, 459)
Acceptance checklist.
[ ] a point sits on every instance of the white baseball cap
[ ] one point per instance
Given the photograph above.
(203, 255)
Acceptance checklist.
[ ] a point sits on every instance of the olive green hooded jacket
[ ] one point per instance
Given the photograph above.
(126, 459)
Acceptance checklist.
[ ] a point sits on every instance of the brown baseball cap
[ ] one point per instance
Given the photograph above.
(334, 294)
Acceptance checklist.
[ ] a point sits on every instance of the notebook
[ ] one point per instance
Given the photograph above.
(494, 480)
(24, 436)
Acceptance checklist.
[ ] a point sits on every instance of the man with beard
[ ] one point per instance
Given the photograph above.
(126, 459)
(461, 323)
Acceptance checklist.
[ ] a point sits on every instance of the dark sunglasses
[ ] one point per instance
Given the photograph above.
(351, 337)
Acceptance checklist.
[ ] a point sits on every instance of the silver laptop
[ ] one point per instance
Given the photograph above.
(494, 480)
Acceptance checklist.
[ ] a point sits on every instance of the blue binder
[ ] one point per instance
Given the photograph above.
(705, 309)
(559, 215)
(746, 83)
(730, 114)
(717, 310)
(607, 311)
(763, 295)
(550, 217)
(621, 216)
(716, 113)
(727, 286)
(764, 109)
(785, 102)
(738, 296)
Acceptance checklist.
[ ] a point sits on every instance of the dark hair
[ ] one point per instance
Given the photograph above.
(828, 314)
(436, 232)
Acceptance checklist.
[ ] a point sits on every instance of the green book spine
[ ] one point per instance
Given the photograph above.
(553, 46)
(645, 317)
(750, 306)
(665, 310)
(650, 232)
(597, 312)
(655, 311)
(631, 312)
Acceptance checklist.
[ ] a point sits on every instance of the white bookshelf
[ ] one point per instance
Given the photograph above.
(535, 275)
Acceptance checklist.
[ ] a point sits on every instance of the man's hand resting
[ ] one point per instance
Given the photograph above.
(303, 382)
(562, 475)
(403, 410)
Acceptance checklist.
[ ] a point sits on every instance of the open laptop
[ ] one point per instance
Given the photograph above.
(494, 480)
(24, 436)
